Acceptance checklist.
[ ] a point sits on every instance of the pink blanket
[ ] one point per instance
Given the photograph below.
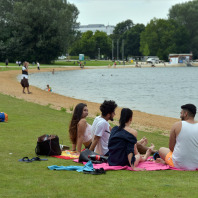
(148, 165)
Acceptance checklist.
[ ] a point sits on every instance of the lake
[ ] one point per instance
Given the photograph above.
(159, 91)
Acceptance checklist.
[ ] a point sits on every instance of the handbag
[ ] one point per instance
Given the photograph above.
(48, 145)
(95, 158)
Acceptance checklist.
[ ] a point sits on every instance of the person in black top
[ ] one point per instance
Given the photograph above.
(24, 77)
(123, 143)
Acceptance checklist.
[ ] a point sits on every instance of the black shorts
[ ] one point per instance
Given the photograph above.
(24, 82)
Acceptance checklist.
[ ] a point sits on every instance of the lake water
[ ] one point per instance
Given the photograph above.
(158, 91)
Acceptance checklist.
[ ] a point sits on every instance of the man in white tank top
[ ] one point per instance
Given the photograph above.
(183, 142)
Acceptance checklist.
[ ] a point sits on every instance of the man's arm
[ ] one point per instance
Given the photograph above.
(172, 138)
(97, 135)
(94, 143)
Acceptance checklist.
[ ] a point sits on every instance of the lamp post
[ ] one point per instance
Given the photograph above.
(98, 53)
(123, 49)
(117, 49)
(112, 50)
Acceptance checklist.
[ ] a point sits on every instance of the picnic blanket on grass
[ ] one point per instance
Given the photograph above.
(67, 154)
(148, 165)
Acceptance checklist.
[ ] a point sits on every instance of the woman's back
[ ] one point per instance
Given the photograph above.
(121, 144)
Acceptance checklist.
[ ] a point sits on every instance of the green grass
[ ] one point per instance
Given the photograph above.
(14, 66)
(88, 63)
(27, 121)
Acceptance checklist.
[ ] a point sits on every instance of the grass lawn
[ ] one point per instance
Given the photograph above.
(27, 121)
(61, 63)
(90, 63)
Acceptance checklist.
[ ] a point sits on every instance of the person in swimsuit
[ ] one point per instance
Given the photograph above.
(79, 130)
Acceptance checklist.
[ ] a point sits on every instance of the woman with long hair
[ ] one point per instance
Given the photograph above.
(79, 130)
(123, 143)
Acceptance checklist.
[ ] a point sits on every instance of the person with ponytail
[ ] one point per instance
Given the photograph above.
(123, 143)
(79, 130)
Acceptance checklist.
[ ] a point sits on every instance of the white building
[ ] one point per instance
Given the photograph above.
(94, 27)
(180, 58)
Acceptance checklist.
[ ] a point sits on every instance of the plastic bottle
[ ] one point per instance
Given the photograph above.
(97, 158)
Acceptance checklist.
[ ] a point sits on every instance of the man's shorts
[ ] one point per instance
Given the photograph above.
(168, 159)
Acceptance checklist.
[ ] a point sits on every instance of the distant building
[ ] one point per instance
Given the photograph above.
(94, 27)
(180, 58)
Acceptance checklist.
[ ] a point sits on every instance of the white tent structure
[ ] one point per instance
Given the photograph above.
(180, 58)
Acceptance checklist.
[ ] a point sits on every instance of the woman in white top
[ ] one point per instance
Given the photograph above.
(79, 130)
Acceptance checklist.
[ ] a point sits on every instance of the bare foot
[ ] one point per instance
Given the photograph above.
(29, 92)
(143, 141)
(152, 146)
(148, 152)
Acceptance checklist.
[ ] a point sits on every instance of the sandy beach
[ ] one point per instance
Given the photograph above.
(141, 120)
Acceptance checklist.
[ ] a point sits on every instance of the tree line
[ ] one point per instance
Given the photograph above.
(160, 37)
(43, 30)
(36, 30)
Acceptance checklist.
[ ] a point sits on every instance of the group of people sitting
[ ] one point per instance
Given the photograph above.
(120, 142)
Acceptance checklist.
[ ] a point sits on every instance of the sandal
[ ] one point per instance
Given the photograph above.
(95, 172)
(25, 159)
(38, 159)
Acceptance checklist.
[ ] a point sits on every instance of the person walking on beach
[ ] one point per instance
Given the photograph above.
(38, 66)
(6, 62)
(183, 142)
(101, 128)
(123, 143)
(24, 77)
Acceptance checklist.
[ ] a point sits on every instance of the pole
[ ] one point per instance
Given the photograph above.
(123, 49)
(98, 53)
(117, 49)
(112, 49)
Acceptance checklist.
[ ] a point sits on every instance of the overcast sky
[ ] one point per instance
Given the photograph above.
(113, 12)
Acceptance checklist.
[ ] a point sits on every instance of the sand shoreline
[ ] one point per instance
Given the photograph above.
(10, 86)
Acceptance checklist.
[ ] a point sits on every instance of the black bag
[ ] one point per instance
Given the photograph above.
(88, 155)
(48, 145)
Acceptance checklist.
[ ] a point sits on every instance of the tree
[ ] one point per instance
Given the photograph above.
(84, 45)
(186, 15)
(103, 42)
(162, 37)
(132, 40)
(39, 30)
(89, 43)
(118, 33)
(123, 27)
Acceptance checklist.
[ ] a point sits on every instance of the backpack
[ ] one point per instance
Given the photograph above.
(3, 117)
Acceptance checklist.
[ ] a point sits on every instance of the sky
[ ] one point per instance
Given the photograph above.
(112, 12)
